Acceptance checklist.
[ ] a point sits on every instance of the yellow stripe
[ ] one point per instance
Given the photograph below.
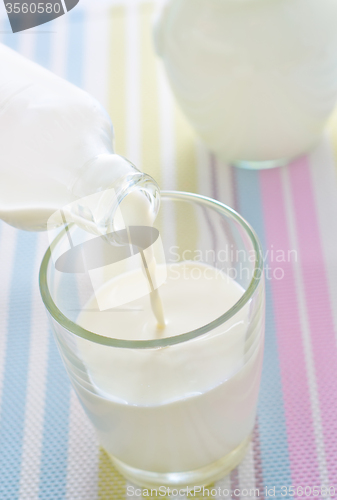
(117, 78)
(186, 163)
(187, 180)
(149, 96)
(111, 484)
(332, 132)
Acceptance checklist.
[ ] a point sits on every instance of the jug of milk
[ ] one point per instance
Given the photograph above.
(56, 149)
(256, 78)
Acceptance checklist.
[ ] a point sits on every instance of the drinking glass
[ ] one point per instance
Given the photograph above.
(176, 411)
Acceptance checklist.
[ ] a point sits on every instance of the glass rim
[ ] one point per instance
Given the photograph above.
(74, 328)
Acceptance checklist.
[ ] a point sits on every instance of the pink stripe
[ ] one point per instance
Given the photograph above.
(318, 306)
(235, 485)
(299, 423)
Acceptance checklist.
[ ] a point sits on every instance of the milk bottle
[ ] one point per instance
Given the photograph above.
(56, 148)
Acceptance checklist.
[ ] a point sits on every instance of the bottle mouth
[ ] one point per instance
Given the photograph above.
(105, 183)
(100, 212)
(137, 202)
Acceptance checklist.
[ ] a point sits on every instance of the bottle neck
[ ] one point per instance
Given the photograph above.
(111, 193)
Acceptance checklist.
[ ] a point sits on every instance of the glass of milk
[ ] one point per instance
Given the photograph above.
(163, 339)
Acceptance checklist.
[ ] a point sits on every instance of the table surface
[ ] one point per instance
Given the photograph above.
(48, 449)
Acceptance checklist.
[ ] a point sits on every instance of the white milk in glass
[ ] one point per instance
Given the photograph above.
(150, 409)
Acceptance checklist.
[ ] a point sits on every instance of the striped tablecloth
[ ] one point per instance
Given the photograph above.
(48, 449)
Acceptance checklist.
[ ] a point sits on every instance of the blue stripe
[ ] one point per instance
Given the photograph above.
(75, 47)
(13, 405)
(53, 467)
(9, 38)
(272, 425)
(43, 47)
(53, 472)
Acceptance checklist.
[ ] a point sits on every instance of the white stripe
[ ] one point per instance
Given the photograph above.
(305, 330)
(223, 484)
(224, 193)
(246, 471)
(27, 44)
(166, 132)
(168, 159)
(132, 490)
(96, 53)
(205, 232)
(205, 187)
(83, 455)
(36, 385)
(324, 180)
(8, 236)
(133, 124)
(59, 46)
(64, 6)
(224, 182)
(204, 177)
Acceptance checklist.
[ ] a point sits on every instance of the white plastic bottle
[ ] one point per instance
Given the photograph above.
(56, 148)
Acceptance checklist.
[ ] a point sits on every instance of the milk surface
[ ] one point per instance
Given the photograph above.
(180, 407)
